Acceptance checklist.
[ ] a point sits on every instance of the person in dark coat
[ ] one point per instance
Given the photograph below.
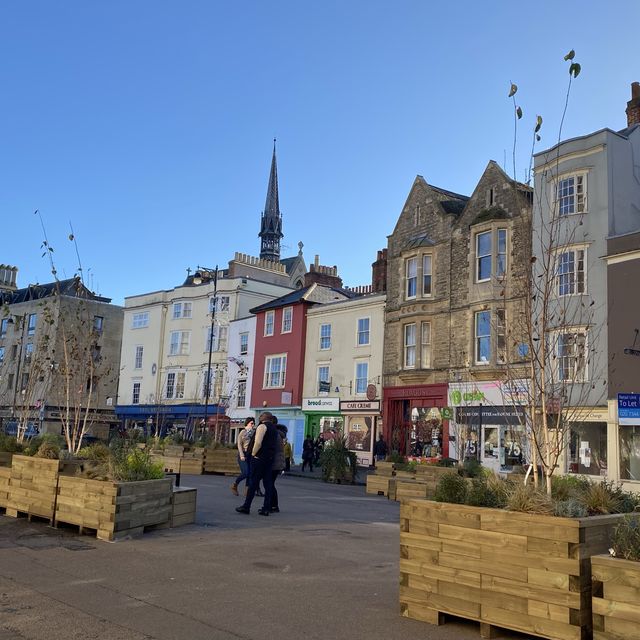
(380, 449)
(278, 466)
(307, 453)
(262, 455)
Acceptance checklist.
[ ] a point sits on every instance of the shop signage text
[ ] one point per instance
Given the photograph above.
(629, 408)
(360, 405)
(321, 404)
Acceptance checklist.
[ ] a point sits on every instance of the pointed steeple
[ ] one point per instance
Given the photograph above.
(271, 223)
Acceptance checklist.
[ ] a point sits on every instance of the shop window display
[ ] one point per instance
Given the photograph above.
(629, 453)
(426, 432)
(588, 448)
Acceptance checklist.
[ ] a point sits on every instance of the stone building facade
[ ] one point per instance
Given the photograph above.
(455, 275)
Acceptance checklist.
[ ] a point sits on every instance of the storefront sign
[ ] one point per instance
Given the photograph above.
(498, 393)
(360, 406)
(629, 408)
(490, 415)
(321, 404)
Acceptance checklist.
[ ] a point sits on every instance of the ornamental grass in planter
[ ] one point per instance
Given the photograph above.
(616, 584)
(526, 570)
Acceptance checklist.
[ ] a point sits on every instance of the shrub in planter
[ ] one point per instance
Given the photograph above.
(626, 538)
(395, 456)
(451, 488)
(338, 463)
(10, 444)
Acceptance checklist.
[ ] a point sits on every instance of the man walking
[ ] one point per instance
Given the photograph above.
(262, 455)
(380, 449)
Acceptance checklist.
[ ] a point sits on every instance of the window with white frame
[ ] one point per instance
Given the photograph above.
(181, 310)
(1, 354)
(269, 321)
(220, 303)
(363, 331)
(287, 319)
(325, 337)
(135, 395)
(180, 380)
(362, 377)
(483, 256)
(275, 370)
(242, 394)
(140, 320)
(501, 332)
(572, 194)
(409, 346)
(571, 348)
(4, 323)
(28, 351)
(411, 277)
(244, 344)
(31, 326)
(323, 378)
(483, 337)
(170, 387)
(491, 254)
(425, 345)
(179, 343)
(219, 335)
(426, 274)
(98, 324)
(570, 271)
(138, 357)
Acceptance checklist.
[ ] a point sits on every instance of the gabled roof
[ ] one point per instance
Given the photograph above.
(313, 294)
(72, 287)
(418, 241)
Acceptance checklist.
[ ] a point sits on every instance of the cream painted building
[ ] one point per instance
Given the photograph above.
(342, 371)
(166, 350)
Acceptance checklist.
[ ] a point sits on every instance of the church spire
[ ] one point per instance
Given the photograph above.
(271, 223)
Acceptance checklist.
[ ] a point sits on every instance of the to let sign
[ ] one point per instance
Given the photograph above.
(629, 408)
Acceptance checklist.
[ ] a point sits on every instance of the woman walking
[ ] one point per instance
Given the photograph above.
(244, 455)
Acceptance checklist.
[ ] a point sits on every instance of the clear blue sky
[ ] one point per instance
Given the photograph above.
(149, 124)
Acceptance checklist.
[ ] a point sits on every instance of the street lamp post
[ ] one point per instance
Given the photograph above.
(197, 279)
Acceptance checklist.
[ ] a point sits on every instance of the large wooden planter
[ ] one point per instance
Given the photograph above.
(518, 571)
(616, 598)
(5, 458)
(5, 474)
(113, 509)
(221, 460)
(32, 486)
(378, 485)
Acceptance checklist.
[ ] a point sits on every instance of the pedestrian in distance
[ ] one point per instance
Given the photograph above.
(307, 453)
(380, 449)
(244, 456)
(288, 455)
(263, 453)
(278, 466)
(318, 446)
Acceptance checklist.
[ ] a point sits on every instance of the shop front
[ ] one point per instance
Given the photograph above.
(489, 423)
(587, 446)
(362, 423)
(628, 428)
(416, 420)
(322, 416)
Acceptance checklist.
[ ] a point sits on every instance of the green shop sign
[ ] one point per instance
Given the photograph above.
(458, 397)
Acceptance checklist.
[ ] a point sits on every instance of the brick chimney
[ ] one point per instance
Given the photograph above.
(633, 106)
(327, 276)
(379, 272)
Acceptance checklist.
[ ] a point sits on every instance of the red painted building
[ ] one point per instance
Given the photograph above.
(278, 369)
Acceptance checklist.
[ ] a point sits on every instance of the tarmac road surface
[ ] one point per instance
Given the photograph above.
(325, 567)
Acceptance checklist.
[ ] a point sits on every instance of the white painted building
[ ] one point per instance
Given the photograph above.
(241, 348)
(343, 371)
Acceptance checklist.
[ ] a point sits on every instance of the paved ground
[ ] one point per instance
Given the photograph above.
(326, 567)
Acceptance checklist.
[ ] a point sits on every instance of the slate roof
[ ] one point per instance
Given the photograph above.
(418, 241)
(313, 294)
(72, 287)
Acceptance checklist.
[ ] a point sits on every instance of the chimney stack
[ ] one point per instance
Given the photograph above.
(379, 272)
(633, 106)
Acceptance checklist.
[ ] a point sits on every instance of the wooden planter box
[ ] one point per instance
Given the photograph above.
(385, 468)
(5, 474)
(32, 486)
(518, 571)
(221, 460)
(183, 506)
(378, 485)
(616, 598)
(407, 489)
(5, 458)
(113, 509)
(193, 461)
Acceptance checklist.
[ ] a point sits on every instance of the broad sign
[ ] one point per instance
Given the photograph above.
(629, 408)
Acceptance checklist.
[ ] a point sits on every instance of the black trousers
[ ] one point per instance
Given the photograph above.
(260, 470)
